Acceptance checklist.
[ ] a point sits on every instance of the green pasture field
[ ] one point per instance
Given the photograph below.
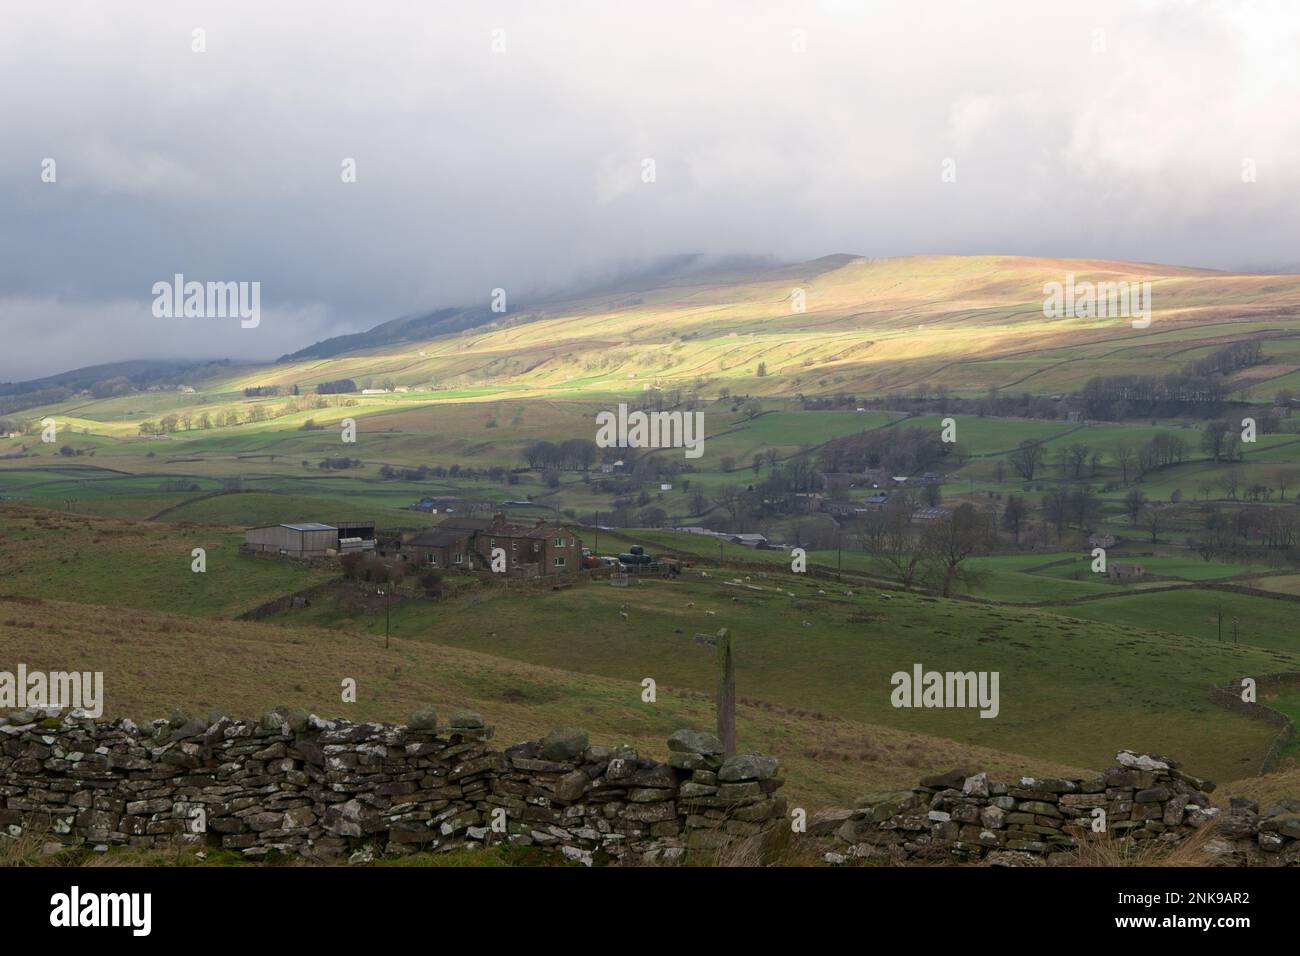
(140, 565)
(1072, 690)
(1193, 612)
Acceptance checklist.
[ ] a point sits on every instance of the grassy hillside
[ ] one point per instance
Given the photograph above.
(1071, 690)
(155, 663)
(139, 565)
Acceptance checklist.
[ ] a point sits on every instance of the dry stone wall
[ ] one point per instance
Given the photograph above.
(1143, 799)
(294, 783)
(1229, 695)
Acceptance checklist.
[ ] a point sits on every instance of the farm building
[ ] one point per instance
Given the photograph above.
(750, 540)
(441, 547)
(1125, 572)
(307, 539)
(312, 539)
(437, 504)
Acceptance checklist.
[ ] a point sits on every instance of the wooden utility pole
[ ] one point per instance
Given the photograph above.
(726, 700)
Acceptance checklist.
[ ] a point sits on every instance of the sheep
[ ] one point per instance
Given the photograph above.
(623, 615)
(690, 604)
(709, 613)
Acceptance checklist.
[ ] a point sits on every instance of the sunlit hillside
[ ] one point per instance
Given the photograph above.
(866, 325)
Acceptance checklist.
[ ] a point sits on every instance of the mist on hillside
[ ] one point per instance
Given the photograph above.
(543, 150)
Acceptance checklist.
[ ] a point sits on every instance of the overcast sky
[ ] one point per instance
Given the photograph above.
(1095, 129)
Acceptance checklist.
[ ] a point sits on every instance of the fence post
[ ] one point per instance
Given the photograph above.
(726, 700)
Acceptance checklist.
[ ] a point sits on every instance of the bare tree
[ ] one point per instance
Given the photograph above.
(1284, 478)
(1122, 455)
(897, 549)
(1153, 519)
(950, 540)
(1027, 458)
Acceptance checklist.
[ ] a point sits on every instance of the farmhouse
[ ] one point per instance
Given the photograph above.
(311, 539)
(532, 550)
(1101, 541)
(931, 514)
(842, 508)
(750, 540)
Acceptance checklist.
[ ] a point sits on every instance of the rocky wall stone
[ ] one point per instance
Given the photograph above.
(1143, 799)
(294, 783)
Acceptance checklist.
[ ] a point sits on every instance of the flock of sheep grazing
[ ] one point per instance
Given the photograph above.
(622, 611)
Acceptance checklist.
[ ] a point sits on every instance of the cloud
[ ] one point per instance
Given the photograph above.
(522, 169)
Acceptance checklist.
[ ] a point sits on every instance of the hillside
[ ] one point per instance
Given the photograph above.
(156, 663)
(868, 325)
(811, 657)
(972, 323)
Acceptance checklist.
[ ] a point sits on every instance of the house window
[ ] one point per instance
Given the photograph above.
(459, 558)
(559, 542)
(537, 546)
(514, 545)
(559, 561)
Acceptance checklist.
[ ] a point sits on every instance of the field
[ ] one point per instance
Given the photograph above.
(139, 565)
(156, 663)
(98, 529)
(1071, 690)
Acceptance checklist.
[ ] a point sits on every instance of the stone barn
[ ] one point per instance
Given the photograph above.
(442, 548)
(1126, 572)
